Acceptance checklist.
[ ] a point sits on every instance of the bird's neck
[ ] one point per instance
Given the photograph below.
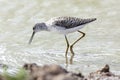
(47, 27)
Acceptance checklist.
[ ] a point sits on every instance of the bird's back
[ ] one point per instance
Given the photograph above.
(70, 22)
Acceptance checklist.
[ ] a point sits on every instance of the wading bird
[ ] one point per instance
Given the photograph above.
(63, 25)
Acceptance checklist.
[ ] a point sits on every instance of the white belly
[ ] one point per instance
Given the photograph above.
(66, 31)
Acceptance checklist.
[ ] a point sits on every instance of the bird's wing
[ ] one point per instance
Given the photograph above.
(70, 22)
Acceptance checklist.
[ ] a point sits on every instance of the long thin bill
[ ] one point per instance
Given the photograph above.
(31, 37)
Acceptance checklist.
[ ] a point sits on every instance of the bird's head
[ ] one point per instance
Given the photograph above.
(37, 28)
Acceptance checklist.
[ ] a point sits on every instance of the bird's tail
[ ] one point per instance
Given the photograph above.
(90, 20)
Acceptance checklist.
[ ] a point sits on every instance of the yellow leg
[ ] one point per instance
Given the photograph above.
(71, 47)
(66, 49)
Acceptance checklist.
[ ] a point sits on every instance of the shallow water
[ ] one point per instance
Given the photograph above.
(100, 46)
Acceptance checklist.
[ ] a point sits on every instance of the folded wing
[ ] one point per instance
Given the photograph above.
(70, 22)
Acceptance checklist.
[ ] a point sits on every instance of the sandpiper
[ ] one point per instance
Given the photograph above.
(63, 25)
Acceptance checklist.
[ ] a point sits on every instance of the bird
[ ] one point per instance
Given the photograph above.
(63, 25)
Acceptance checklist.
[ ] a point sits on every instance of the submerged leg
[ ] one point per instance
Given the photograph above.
(66, 49)
(71, 47)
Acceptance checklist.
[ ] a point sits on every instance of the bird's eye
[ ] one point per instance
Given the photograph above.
(33, 28)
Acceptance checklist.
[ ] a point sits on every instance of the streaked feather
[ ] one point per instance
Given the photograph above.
(71, 22)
